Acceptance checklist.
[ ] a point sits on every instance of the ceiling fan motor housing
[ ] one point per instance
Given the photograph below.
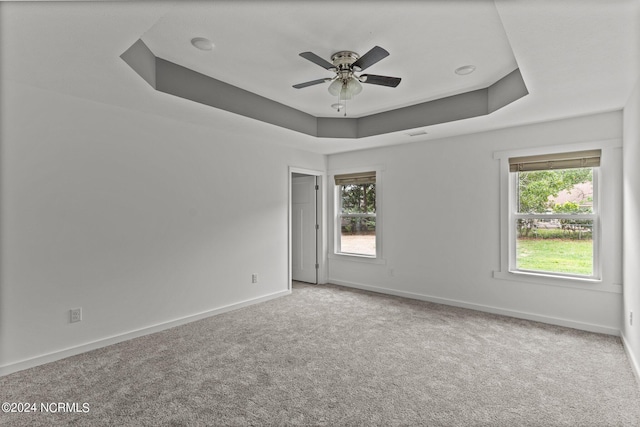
(344, 60)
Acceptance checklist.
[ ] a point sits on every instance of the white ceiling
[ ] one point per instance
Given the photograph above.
(576, 57)
(260, 51)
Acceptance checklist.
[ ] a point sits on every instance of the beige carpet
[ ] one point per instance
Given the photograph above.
(332, 356)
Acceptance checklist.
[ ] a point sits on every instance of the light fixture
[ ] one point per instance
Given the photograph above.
(465, 69)
(350, 88)
(346, 84)
(335, 86)
(202, 43)
(345, 87)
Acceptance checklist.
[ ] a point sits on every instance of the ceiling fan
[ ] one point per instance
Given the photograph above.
(346, 83)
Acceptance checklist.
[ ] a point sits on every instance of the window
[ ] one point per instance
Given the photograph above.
(554, 214)
(356, 214)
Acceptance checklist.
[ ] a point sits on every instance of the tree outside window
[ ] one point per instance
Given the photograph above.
(555, 234)
(356, 219)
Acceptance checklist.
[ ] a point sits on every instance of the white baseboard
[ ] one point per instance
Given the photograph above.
(633, 360)
(485, 308)
(72, 351)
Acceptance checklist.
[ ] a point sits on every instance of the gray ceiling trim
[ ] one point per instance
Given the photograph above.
(177, 80)
(506, 90)
(142, 60)
(183, 82)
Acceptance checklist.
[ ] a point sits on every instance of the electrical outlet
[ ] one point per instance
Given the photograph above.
(254, 278)
(76, 314)
(631, 318)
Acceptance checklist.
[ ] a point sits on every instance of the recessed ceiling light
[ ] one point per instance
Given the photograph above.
(465, 69)
(202, 43)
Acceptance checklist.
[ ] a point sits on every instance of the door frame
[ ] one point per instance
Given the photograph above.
(321, 240)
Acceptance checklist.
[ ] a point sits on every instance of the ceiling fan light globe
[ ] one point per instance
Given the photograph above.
(350, 88)
(354, 86)
(335, 87)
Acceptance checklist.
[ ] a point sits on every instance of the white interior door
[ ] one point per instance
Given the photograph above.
(303, 229)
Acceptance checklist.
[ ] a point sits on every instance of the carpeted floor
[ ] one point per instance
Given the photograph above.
(328, 355)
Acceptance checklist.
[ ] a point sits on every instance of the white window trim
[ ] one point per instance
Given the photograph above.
(507, 249)
(334, 254)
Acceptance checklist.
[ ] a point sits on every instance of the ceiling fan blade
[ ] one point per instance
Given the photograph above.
(368, 59)
(310, 56)
(380, 80)
(311, 83)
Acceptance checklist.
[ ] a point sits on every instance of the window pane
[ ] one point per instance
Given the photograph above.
(555, 191)
(555, 245)
(358, 198)
(358, 236)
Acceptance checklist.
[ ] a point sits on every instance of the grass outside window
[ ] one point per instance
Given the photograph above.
(569, 256)
(554, 218)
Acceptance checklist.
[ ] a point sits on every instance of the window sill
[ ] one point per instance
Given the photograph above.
(357, 258)
(561, 281)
